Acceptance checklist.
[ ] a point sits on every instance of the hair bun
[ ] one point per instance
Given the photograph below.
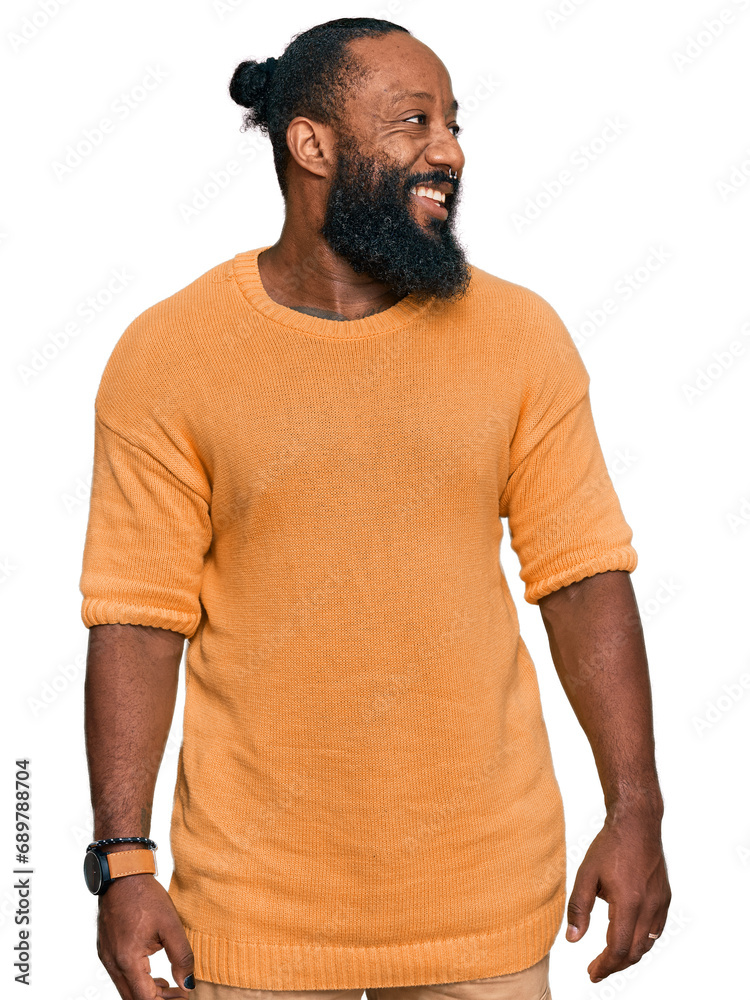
(249, 86)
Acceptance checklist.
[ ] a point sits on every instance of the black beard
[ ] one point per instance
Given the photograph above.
(368, 223)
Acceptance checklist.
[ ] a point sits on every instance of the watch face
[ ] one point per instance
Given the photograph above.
(92, 871)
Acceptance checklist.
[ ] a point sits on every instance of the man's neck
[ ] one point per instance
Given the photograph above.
(327, 314)
(309, 277)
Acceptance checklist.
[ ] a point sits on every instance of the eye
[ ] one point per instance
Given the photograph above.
(454, 128)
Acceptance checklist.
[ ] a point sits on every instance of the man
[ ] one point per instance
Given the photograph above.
(301, 463)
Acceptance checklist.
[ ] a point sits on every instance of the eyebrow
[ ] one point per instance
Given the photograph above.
(422, 95)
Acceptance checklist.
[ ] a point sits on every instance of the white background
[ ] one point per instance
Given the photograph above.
(538, 81)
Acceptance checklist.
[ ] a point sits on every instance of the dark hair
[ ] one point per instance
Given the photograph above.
(310, 78)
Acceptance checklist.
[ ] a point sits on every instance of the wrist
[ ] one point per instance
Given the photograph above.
(108, 843)
(644, 803)
(105, 863)
(128, 888)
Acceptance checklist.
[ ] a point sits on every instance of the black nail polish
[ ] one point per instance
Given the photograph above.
(190, 982)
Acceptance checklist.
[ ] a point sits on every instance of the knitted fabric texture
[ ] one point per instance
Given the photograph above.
(365, 793)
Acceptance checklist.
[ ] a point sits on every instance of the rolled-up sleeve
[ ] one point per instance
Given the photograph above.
(146, 540)
(564, 516)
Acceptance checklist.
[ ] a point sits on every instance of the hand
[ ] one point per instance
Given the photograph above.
(136, 918)
(625, 866)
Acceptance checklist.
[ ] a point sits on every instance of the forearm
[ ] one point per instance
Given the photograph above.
(130, 691)
(597, 646)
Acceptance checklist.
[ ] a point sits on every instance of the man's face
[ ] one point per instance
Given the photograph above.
(400, 139)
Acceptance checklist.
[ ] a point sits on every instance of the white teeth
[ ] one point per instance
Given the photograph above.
(426, 192)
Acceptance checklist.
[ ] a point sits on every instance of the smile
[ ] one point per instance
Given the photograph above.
(431, 199)
(428, 192)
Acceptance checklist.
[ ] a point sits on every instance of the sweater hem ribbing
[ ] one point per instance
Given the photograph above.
(622, 558)
(254, 965)
(101, 611)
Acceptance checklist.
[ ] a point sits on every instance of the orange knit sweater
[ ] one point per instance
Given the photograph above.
(365, 792)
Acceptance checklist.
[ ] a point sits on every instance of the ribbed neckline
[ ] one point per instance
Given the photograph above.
(247, 276)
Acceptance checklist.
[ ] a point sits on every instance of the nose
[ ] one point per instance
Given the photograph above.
(445, 152)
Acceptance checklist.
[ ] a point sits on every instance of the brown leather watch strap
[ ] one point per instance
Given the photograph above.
(136, 862)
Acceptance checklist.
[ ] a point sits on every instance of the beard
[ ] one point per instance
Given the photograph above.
(368, 222)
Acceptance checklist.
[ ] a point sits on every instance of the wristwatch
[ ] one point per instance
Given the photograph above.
(100, 869)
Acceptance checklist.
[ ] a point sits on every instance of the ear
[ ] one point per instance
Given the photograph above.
(311, 145)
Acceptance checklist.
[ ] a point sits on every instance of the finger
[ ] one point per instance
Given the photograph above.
(642, 941)
(165, 991)
(137, 973)
(658, 923)
(581, 902)
(179, 952)
(653, 935)
(622, 922)
(656, 929)
(121, 984)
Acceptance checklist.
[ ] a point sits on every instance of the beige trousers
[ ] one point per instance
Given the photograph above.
(530, 984)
